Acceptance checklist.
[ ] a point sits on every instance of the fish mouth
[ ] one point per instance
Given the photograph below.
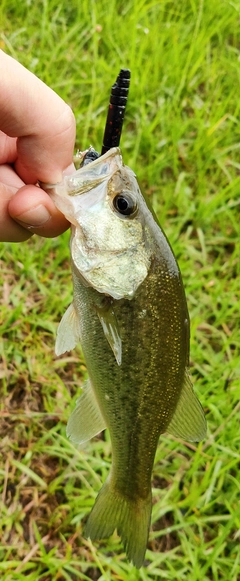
(94, 172)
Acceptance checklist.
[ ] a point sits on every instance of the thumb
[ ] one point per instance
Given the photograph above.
(42, 122)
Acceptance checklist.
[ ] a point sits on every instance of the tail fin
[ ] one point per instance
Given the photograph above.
(131, 518)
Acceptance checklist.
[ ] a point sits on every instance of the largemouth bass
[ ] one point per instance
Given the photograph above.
(130, 315)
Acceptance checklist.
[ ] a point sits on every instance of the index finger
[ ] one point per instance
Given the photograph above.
(43, 123)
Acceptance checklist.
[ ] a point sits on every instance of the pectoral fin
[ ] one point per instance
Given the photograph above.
(188, 421)
(109, 324)
(68, 331)
(86, 419)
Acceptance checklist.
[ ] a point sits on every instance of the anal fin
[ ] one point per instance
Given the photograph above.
(188, 421)
(86, 419)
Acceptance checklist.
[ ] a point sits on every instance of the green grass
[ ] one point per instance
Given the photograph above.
(182, 138)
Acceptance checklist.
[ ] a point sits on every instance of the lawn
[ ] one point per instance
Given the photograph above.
(182, 138)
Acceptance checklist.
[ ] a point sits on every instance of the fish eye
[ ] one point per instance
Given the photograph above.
(125, 204)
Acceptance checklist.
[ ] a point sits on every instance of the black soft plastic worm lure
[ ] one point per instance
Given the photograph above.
(115, 116)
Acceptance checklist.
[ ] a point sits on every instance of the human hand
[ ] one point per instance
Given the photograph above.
(37, 135)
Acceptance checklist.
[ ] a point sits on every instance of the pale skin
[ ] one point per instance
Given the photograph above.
(37, 135)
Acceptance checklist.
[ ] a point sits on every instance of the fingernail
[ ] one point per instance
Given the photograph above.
(35, 217)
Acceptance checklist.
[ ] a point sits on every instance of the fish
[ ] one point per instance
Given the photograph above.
(129, 313)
